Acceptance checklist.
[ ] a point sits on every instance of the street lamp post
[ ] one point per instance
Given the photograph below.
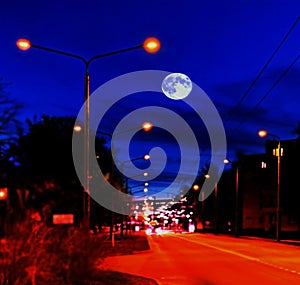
(236, 211)
(203, 212)
(264, 133)
(216, 209)
(125, 185)
(111, 179)
(196, 187)
(150, 45)
(146, 126)
(216, 212)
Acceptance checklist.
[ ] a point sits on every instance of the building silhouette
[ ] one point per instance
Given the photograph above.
(258, 192)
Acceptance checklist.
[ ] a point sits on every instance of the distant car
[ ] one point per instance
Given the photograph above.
(154, 230)
(178, 229)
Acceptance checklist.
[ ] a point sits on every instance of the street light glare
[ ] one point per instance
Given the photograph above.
(151, 45)
(196, 187)
(3, 193)
(146, 156)
(226, 161)
(77, 128)
(262, 133)
(147, 126)
(23, 44)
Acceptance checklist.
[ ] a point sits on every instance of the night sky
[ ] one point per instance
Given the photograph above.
(221, 45)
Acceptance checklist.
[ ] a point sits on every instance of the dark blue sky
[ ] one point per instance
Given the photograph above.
(220, 45)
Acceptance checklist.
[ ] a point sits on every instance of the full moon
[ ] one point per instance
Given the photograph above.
(176, 86)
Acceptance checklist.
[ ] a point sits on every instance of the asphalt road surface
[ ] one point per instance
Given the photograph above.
(197, 259)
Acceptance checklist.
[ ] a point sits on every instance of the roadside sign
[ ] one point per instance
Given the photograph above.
(63, 219)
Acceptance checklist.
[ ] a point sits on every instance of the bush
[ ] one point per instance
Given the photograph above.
(37, 254)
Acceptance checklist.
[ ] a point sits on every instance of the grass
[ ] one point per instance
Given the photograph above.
(117, 278)
(129, 244)
(37, 255)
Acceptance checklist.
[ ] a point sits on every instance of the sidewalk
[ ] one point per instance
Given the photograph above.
(85, 263)
(130, 247)
(253, 237)
(284, 241)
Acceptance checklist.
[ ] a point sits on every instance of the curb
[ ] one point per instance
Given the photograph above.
(288, 242)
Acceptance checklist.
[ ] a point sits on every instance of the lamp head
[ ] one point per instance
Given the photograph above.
(77, 128)
(151, 45)
(147, 126)
(23, 44)
(196, 187)
(262, 133)
(3, 193)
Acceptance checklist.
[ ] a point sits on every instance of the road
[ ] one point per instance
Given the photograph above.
(197, 259)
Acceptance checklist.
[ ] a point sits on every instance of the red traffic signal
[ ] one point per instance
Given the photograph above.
(3, 193)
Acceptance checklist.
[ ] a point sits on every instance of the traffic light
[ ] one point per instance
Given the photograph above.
(3, 193)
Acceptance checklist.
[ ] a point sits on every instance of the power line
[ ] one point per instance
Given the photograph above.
(285, 72)
(262, 70)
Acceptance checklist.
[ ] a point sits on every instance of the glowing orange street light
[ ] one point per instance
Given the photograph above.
(147, 126)
(77, 128)
(23, 44)
(196, 187)
(3, 193)
(146, 156)
(151, 45)
(262, 133)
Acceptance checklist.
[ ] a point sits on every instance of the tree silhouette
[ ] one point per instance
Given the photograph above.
(9, 125)
(46, 166)
(296, 131)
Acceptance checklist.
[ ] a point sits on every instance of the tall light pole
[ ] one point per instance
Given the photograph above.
(216, 214)
(278, 153)
(196, 187)
(125, 184)
(236, 211)
(206, 176)
(216, 209)
(151, 45)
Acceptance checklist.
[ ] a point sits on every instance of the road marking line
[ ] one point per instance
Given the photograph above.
(240, 255)
(223, 250)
